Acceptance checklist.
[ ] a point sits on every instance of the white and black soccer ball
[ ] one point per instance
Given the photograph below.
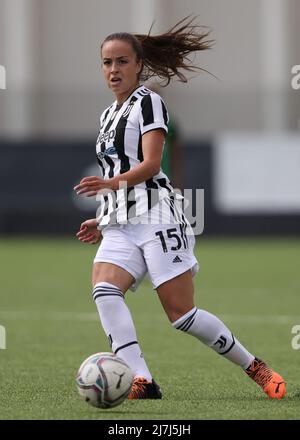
(104, 380)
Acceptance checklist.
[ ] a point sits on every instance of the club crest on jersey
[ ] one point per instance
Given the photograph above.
(108, 152)
(127, 110)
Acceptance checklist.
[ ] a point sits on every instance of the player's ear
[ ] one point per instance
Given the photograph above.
(139, 67)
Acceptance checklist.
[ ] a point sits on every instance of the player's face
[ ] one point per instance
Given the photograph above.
(120, 68)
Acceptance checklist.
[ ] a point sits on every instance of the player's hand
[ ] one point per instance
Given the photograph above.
(88, 232)
(91, 185)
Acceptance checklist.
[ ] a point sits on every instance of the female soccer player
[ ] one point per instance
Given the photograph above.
(140, 221)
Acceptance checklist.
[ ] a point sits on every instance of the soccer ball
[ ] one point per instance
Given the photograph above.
(104, 380)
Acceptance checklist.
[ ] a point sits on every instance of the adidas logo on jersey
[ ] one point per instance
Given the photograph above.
(177, 260)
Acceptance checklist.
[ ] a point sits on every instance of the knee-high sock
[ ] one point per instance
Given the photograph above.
(119, 328)
(212, 331)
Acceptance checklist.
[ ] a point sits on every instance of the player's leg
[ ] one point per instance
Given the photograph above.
(110, 284)
(112, 273)
(117, 265)
(176, 296)
(171, 263)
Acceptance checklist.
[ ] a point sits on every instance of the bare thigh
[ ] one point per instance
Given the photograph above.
(113, 274)
(177, 295)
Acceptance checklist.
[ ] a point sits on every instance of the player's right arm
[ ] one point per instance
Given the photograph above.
(88, 232)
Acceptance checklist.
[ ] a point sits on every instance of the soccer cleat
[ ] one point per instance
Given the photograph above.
(143, 389)
(270, 381)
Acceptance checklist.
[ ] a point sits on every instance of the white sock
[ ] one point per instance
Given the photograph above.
(119, 328)
(213, 332)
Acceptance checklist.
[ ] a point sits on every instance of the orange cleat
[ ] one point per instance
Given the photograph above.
(143, 389)
(270, 381)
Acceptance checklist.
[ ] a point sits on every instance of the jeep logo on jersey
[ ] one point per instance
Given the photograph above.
(108, 136)
(108, 152)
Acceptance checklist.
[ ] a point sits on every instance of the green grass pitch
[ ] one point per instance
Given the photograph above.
(52, 326)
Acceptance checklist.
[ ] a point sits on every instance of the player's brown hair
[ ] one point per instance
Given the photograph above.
(163, 55)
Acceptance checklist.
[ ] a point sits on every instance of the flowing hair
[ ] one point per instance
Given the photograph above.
(166, 54)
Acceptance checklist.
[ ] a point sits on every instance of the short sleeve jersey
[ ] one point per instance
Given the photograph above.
(119, 149)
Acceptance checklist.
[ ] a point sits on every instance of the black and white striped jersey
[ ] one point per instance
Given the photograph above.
(119, 149)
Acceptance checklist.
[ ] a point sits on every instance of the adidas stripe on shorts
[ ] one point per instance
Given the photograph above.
(158, 243)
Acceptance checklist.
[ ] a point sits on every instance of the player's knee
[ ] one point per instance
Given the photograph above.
(113, 274)
(97, 278)
(100, 275)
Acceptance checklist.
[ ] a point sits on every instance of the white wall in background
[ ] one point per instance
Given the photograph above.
(257, 174)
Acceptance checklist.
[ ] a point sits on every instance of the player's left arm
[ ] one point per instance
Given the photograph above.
(152, 147)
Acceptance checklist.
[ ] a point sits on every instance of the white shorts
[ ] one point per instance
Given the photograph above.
(163, 250)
